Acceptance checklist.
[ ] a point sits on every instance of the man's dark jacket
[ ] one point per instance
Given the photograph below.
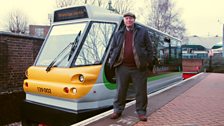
(142, 46)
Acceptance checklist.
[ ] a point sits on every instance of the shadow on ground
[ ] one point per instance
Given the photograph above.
(10, 107)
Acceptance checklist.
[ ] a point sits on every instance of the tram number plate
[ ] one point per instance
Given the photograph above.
(44, 90)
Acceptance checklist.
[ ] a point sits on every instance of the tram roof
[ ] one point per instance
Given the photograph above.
(94, 13)
(99, 14)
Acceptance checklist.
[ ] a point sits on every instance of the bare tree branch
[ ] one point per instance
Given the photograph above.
(119, 6)
(64, 3)
(122, 6)
(164, 17)
(18, 22)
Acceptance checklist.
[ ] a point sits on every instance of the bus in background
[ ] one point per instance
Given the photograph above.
(71, 74)
(217, 49)
(192, 59)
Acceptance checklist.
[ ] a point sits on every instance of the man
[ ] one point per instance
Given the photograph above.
(131, 54)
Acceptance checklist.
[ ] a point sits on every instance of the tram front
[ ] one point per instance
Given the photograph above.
(67, 73)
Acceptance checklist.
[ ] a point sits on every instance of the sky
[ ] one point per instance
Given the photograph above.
(36, 10)
(200, 16)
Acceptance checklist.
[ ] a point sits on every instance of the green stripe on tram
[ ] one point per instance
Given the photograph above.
(162, 76)
(112, 86)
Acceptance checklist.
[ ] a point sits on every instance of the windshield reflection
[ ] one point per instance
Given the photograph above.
(60, 37)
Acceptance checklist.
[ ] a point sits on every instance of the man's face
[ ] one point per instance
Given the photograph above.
(129, 21)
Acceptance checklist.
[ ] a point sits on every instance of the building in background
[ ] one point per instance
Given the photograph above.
(195, 46)
(205, 49)
(38, 30)
(207, 42)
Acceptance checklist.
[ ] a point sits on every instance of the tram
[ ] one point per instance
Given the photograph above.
(71, 71)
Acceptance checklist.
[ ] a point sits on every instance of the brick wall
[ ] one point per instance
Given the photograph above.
(17, 53)
(3, 64)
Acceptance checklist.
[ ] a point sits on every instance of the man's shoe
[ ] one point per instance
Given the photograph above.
(142, 118)
(115, 115)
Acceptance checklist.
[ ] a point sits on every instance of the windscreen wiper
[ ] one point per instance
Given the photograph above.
(73, 44)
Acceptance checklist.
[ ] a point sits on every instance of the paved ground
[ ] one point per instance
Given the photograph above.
(195, 102)
(201, 105)
(156, 101)
(10, 104)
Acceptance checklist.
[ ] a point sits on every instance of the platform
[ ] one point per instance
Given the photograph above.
(198, 101)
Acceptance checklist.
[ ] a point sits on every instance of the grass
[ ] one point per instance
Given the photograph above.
(163, 75)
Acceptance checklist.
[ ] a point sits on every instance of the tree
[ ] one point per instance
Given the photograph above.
(64, 3)
(164, 17)
(18, 22)
(123, 6)
(118, 6)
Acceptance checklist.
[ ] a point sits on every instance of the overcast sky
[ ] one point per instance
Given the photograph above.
(200, 16)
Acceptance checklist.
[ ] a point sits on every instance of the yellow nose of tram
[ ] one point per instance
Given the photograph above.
(72, 83)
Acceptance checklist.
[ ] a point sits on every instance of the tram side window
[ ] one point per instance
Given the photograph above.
(173, 44)
(95, 44)
(152, 37)
(176, 48)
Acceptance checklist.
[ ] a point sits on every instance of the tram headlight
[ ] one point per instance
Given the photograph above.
(81, 78)
(74, 90)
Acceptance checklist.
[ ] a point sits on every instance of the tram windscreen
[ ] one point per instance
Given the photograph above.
(60, 37)
(95, 44)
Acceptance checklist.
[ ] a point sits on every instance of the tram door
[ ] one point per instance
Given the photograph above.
(110, 72)
(111, 77)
